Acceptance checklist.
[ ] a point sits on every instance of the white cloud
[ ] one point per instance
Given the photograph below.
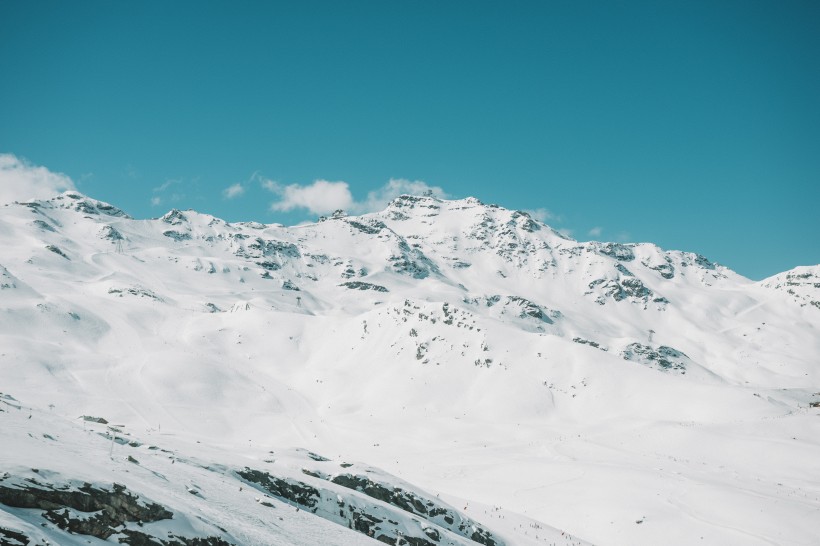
(270, 185)
(595, 232)
(234, 190)
(320, 197)
(542, 215)
(156, 201)
(21, 181)
(323, 196)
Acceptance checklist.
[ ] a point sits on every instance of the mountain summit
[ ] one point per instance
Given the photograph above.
(537, 389)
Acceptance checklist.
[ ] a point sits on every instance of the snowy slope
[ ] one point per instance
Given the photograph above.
(618, 393)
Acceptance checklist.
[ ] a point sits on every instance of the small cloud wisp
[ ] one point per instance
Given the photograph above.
(233, 191)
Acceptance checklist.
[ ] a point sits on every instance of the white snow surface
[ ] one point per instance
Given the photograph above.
(546, 390)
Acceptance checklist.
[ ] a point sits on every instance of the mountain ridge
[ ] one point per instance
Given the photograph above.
(436, 339)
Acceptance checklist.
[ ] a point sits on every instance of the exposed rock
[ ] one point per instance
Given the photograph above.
(9, 537)
(663, 358)
(95, 511)
(269, 265)
(269, 247)
(174, 217)
(368, 226)
(666, 270)
(359, 285)
(90, 206)
(134, 291)
(616, 250)
(43, 225)
(524, 221)
(412, 262)
(288, 285)
(83, 509)
(530, 309)
(111, 233)
(589, 342)
(177, 235)
(57, 250)
(421, 506)
(93, 419)
(291, 490)
(623, 271)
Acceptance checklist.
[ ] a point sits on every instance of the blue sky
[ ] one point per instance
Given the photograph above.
(694, 125)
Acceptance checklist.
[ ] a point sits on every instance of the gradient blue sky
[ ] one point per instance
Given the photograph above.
(694, 125)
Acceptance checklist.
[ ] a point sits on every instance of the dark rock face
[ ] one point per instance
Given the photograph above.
(359, 285)
(704, 262)
(269, 265)
(524, 221)
(410, 202)
(43, 225)
(92, 511)
(88, 206)
(110, 233)
(93, 419)
(411, 262)
(618, 251)
(666, 270)
(630, 288)
(116, 506)
(591, 343)
(177, 235)
(9, 537)
(110, 210)
(372, 519)
(663, 358)
(522, 307)
(412, 503)
(635, 288)
(268, 247)
(370, 227)
(174, 217)
(396, 497)
(293, 491)
(139, 292)
(530, 309)
(289, 285)
(56, 250)
(623, 271)
(136, 538)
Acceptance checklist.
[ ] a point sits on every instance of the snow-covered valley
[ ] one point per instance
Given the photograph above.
(442, 372)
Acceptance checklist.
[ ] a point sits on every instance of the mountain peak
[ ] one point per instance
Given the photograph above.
(79, 202)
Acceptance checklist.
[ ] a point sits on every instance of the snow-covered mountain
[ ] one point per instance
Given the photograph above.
(442, 372)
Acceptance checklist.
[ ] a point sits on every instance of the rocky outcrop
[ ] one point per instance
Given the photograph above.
(383, 511)
(618, 251)
(177, 235)
(662, 358)
(101, 512)
(289, 490)
(359, 285)
(415, 504)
